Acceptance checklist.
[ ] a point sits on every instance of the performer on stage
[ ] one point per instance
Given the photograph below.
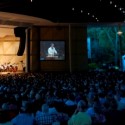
(52, 51)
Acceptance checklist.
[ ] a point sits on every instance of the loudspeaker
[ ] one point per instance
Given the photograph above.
(20, 32)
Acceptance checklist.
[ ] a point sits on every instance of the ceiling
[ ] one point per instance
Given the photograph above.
(62, 11)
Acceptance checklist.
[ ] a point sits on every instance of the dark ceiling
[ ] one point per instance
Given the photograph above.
(64, 11)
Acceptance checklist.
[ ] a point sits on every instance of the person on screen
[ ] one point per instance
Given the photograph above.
(51, 50)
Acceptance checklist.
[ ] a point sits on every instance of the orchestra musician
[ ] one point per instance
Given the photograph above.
(7, 67)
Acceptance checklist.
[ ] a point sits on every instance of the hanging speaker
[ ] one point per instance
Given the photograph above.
(20, 32)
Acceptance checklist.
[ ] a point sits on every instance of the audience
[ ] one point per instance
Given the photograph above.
(103, 93)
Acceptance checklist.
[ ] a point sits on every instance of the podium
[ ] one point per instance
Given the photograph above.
(51, 57)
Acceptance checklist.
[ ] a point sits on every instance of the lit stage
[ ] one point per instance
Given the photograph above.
(11, 73)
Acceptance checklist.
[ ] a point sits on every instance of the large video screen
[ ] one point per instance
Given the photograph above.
(52, 50)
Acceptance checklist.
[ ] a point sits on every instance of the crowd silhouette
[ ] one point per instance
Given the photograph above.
(50, 98)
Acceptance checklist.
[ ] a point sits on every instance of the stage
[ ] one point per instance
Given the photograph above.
(12, 73)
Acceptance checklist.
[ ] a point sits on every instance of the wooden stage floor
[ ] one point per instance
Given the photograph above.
(6, 73)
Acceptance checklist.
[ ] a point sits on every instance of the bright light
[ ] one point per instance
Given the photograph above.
(119, 32)
(120, 8)
(110, 2)
(73, 8)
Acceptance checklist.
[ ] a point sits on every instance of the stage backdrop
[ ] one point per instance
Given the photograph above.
(9, 45)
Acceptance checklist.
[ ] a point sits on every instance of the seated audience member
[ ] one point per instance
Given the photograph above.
(44, 117)
(25, 117)
(52, 108)
(70, 101)
(80, 117)
(121, 101)
(38, 101)
(61, 116)
(98, 118)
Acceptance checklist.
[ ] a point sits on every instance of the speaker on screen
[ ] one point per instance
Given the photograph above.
(20, 32)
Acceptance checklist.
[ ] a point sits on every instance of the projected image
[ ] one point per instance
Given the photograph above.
(52, 50)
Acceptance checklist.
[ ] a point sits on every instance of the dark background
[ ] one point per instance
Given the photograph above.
(76, 11)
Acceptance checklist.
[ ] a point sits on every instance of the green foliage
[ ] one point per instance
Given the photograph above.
(92, 66)
(105, 44)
